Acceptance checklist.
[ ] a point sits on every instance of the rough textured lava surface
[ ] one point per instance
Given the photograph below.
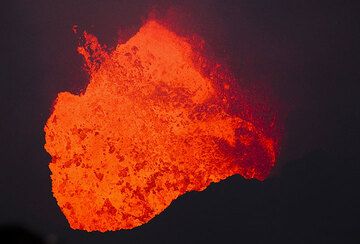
(150, 126)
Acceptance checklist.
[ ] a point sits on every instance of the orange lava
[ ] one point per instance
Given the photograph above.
(149, 127)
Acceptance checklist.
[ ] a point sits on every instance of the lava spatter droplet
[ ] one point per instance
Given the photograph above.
(149, 127)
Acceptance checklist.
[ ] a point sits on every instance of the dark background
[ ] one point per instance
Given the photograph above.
(305, 52)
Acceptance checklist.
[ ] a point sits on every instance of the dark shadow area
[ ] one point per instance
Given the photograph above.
(17, 234)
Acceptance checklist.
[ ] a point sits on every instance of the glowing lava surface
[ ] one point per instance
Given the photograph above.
(149, 127)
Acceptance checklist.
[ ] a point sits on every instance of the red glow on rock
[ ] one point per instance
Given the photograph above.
(149, 127)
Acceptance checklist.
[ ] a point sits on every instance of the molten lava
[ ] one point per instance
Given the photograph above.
(149, 127)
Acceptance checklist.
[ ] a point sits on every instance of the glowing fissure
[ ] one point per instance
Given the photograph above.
(149, 127)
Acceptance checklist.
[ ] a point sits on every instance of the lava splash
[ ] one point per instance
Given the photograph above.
(150, 126)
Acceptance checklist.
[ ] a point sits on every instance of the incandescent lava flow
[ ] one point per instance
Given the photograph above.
(150, 126)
